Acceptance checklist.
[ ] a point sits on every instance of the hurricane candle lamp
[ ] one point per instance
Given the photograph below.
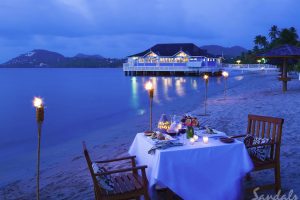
(205, 139)
(164, 123)
(196, 137)
(192, 140)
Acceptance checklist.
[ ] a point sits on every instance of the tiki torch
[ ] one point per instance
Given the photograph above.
(150, 89)
(225, 75)
(205, 77)
(39, 106)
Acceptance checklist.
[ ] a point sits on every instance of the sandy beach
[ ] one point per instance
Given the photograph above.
(70, 179)
(263, 97)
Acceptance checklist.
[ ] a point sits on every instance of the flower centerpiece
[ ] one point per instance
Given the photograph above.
(190, 122)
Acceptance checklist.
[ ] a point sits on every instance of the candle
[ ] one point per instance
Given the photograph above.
(205, 139)
(196, 138)
(192, 140)
(178, 127)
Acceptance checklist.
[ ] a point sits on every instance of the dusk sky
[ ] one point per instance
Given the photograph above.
(117, 28)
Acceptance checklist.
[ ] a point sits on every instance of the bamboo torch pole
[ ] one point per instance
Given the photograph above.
(205, 77)
(38, 104)
(150, 89)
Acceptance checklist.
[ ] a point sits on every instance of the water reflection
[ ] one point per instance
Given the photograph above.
(194, 84)
(169, 89)
(141, 111)
(167, 82)
(155, 87)
(179, 86)
(219, 80)
(134, 93)
(239, 78)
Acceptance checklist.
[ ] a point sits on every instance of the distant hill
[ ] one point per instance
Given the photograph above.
(44, 58)
(81, 55)
(227, 51)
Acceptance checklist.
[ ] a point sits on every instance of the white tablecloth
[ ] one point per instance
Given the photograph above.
(199, 171)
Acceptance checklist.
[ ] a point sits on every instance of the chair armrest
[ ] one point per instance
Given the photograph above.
(260, 145)
(238, 136)
(143, 167)
(114, 160)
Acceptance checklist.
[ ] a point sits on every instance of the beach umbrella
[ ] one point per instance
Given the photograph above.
(284, 52)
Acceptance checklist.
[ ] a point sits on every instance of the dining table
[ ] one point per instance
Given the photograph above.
(195, 170)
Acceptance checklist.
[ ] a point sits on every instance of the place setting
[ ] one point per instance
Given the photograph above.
(186, 130)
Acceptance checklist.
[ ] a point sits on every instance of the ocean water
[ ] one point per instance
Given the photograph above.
(84, 104)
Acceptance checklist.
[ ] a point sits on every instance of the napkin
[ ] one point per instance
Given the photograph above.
(164, 145)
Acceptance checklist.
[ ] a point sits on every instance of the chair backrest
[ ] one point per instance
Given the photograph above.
(266, 127)
(89, 162)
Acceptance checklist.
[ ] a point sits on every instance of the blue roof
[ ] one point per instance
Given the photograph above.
(282, 51)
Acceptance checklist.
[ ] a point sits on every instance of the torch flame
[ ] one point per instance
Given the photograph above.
(225, 74)
(205, 76)
(37, 102)
(149, 85)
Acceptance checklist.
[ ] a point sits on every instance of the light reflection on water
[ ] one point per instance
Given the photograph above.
(239, 78)
(168, 89)
(179, 86)
(194, 84)
(167, 82)
(172, 89)
(134, 91)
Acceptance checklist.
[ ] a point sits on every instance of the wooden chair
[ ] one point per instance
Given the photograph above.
(267, 127)
(128, 184)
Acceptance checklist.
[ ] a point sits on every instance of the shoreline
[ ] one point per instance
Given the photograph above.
(263, 96)
(52, 67)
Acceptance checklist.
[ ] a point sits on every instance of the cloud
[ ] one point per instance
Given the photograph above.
(121, 27)
(79, 7)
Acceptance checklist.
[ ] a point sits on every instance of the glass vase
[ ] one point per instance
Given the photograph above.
(189, 132)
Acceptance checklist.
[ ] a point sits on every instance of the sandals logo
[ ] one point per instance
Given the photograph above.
(278, 196)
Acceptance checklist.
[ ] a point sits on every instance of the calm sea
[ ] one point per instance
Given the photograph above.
(82, 104)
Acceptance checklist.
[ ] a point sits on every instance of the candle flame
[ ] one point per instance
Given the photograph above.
(196, 137)
(205, 77)
(225, 74)
(149, 85)
(37, 102)
(192, 140)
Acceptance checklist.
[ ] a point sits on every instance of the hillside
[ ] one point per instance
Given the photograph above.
(44, 58)
(227, 52)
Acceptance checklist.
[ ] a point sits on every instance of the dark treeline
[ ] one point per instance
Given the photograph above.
(275, 38)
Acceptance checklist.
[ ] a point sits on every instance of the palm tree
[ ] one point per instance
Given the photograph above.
(288, 36)
(274, 32)
(261, 41)
(294, 32)
(255, 49)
